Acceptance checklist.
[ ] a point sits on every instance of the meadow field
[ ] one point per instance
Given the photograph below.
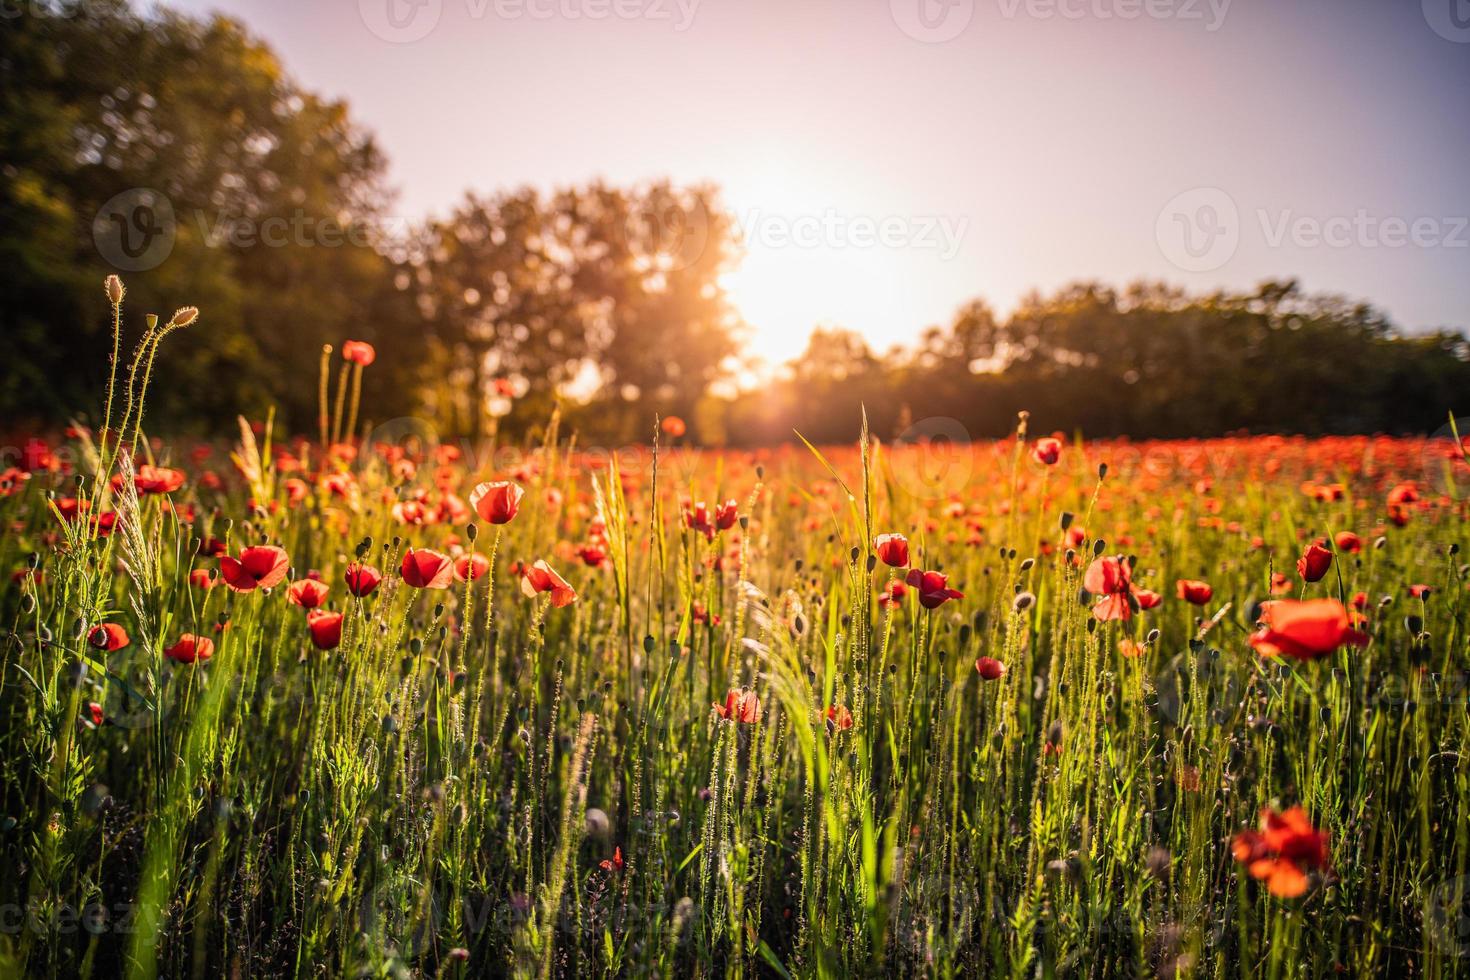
(366, 702)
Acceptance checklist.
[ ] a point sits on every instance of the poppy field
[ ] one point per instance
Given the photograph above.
(347, 702)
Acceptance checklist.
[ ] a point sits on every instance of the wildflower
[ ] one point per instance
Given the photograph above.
(497, 503)
(361, 579)
(1111, 578)
(359, 352)
(740, 706)
(325, 628)
(190, 649)
(202, 578)
(1280, 584)
(260, 567)
(673, 426)
(94, 712)
(1047, 451)
(614, 863)
(893, 595)
(933, 588)
(307, 593)
(1285, 849)
(1304, 630)
(1348, 541)
(108, 637)
(541, 577)
(838, 718)
(593, 556)
(1314, 562)
(1195, 591)
(1420, 591)
(727, 515)
(1130, 648)
(467, 568)
(157, 479)
(892, 549)
(990, 669)
(427, 569)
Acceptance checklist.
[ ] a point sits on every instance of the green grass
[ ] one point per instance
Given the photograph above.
(436, 796)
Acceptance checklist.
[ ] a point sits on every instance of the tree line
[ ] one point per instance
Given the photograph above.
(179, 152)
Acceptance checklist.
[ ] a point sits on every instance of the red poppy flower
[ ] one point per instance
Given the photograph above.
(1314, 562)
(893, 549)
(1280, 584)
(614, 863)
(740, 706)
(467, 568)
(157, 479)
(1112, 579)
(1348, 541)
(592, 555)
(361, 579)
(1304, 630)
(541, 577)
(893, 595)
(497, 503)
(94, 711)
(325, 628)
(933, 588)
(1047, 451)
(1420, 591)
(990, 669)
(108, 636)
(673, 426)
(1195, 591)
(359, 352)
(696, 518)
(727, 515)
(1285, 849)
(426, 569)
(190, 648)
(202, 578)
(260, 567)
(307, 593)
(838, 718)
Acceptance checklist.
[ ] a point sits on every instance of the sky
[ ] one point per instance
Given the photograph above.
(889, 160)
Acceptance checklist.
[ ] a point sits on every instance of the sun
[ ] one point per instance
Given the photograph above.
(800, 265)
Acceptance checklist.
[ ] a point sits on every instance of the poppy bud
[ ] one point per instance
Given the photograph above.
(115, 290)
(185, 316)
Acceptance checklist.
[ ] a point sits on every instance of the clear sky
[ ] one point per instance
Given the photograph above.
(891, 159)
